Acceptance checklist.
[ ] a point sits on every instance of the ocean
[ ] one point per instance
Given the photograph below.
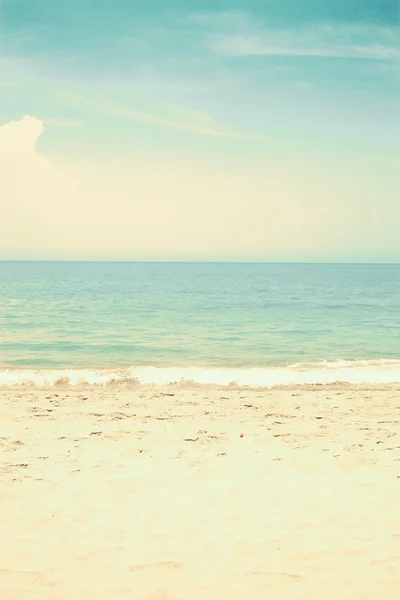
(250, 324)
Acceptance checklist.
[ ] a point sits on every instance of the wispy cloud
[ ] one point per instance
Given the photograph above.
(165, 114)
(183, 118)
(239, 35)
(269, 45)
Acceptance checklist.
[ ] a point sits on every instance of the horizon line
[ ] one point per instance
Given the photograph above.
(271, 262)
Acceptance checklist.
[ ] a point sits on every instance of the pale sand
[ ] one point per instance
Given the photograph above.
(116, 494)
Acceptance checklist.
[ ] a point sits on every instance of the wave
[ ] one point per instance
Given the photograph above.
(371, 372)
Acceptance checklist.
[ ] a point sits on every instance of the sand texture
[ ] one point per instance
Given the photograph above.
(153, 494)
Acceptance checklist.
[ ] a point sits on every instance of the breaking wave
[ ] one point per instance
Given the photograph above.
(371, 372)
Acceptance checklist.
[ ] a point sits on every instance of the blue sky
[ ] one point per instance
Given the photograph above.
(254, 93)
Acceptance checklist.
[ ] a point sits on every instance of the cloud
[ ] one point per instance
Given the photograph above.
(181, 117)
(141, 205)
(164, 114)
(240, 35)
(32, 190)
(161, 206)
(286, 45)
(20, 136)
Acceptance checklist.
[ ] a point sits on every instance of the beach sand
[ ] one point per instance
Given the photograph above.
(200, 493)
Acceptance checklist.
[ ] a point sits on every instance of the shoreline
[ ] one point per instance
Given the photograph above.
(181, 387)
(356, 372)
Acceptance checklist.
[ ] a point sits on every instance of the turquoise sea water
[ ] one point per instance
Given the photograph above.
(116, 316)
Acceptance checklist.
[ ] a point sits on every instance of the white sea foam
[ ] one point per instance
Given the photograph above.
(371, 372)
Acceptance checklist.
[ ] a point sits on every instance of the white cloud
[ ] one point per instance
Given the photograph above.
(239, 35)
(157, 205)
(286, 44)
(137, 207)
(32, 189)
(164, 114)
(181, 117)
(22, 168)
(20, 136)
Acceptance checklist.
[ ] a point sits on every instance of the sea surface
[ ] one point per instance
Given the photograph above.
(253, 324)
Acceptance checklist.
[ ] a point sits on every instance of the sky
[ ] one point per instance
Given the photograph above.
(266, 130)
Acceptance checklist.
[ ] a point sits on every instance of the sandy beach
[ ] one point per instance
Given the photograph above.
(167, 493)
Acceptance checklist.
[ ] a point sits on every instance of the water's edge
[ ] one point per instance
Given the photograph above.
(357, 372)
